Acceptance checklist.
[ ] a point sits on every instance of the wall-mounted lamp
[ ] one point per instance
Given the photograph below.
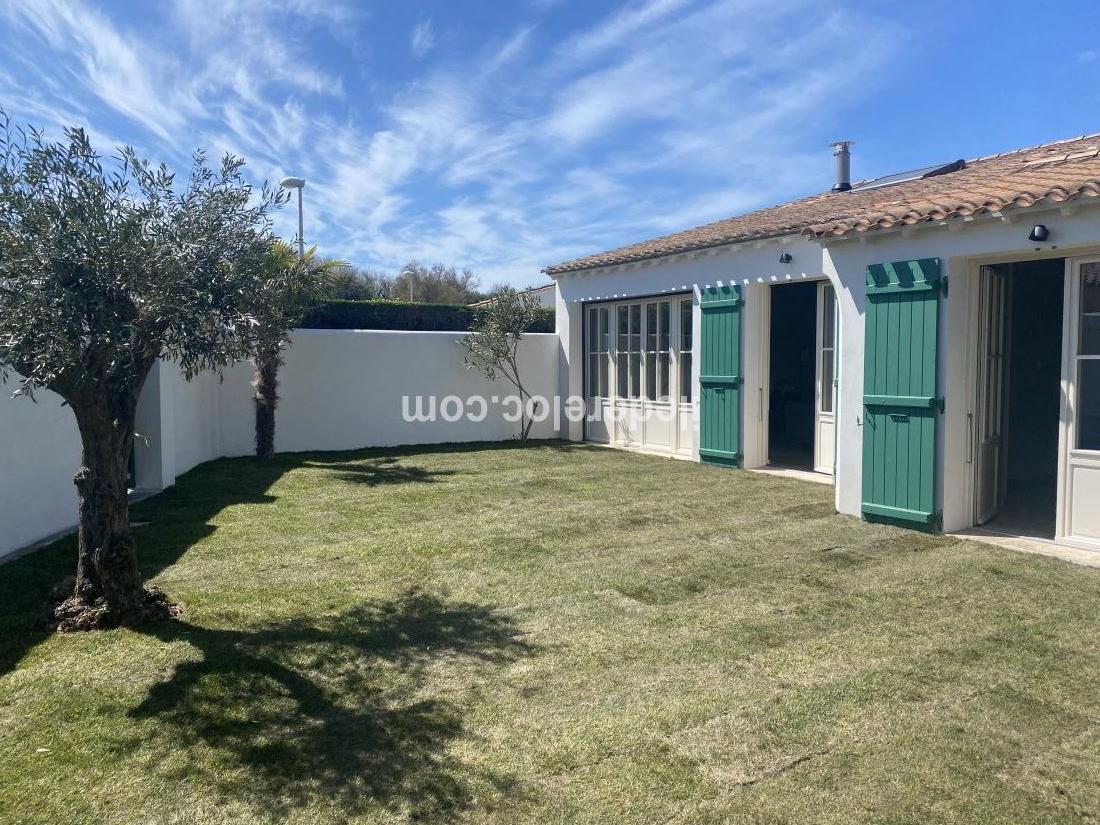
(785, 258)
(1039, 233)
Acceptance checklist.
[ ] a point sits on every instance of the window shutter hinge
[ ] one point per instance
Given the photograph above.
(943, 284)
(941, 404)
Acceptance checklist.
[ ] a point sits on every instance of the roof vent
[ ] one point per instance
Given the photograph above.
(843, 155)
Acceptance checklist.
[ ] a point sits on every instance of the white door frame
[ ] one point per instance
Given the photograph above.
(824, 422)
(757, 358)
(989, 450)
(759, 408)
(1066, 458)
(1070, 458)
(974, 375)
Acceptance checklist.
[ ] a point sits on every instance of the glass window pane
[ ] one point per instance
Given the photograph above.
(590, 339)
(651, 377)
(635, 375)
(624, 327)
(828, 316)
(827, 380)
(636, 319)
(685, 325)
(622, 376)
(1090, 309)
(662, 341)
(651, 327)
(1088, 404)
(1090, 295)
(603, 376)
(663, 362)
(593, 375)
(685, 376)
(603, 330)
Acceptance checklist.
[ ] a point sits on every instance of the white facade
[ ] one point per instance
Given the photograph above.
(962, 246)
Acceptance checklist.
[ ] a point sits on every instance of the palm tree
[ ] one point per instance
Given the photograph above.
(292, 284)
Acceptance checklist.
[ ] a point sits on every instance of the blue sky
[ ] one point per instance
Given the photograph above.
(506, 136)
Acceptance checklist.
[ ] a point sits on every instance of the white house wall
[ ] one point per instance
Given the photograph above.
(745, 265)
(752, 266)
(990, 238)
(844, 263)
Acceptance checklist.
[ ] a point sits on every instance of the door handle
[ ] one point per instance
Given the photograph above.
(760, 407)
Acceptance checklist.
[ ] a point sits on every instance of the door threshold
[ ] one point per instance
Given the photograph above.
(794, 472)
(1029, 544)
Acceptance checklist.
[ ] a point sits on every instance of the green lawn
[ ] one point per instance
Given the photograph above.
(551, 635)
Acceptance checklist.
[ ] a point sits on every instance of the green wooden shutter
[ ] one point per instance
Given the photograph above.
(720, 376)
(901, 410)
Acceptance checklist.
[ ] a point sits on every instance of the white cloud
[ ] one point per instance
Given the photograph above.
(614, 30)
(423, 38)
(512, 49)
(117, 67)
(694, 119)
(660, 116)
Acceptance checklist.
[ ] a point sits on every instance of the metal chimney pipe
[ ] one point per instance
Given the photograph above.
(843, 155)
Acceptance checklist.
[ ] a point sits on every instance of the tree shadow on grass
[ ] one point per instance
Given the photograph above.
(404, 450)
(177, 518)
(336, 711)
(181, 516)
(378, 471)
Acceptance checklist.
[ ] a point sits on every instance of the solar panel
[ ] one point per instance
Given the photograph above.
(913, 174)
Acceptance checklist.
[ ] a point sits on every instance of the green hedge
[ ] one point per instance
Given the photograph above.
(339, 314)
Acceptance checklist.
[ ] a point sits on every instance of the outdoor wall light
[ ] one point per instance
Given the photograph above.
(785, 258)
(1039, 233)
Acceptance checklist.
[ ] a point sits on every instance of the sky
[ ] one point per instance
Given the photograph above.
(508, 135)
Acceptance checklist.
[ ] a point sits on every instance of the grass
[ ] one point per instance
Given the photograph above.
(555, 634)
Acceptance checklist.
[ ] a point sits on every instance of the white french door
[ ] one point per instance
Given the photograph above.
(658, 408)
(988, 427)
(598, 373)
(682, 357)
(1079, 476)
(638, 369)
(825, 381)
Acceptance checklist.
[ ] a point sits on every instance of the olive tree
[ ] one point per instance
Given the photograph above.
(291, 285)
(107, 265)
(493, 343)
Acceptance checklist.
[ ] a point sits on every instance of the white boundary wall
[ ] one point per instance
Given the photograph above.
(339, 390)
(39, 454)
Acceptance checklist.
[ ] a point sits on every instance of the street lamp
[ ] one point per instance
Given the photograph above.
(299, 184)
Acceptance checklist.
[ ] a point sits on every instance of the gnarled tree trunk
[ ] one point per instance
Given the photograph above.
(108, 587)
(266, 385)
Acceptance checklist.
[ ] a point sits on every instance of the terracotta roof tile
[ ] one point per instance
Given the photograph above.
(1056, 172)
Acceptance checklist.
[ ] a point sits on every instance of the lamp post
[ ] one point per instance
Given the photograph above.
(299, 184)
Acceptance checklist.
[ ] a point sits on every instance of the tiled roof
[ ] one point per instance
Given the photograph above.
(1052, 172)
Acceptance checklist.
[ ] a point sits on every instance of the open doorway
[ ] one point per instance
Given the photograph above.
(792, 376)
(1019, 373)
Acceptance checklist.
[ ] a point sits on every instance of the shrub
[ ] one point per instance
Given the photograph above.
(399, 315)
